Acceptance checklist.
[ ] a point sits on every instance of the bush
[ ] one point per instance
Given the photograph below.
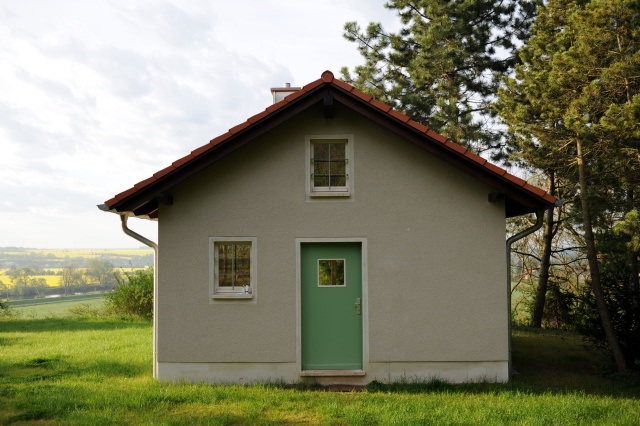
(85, 310)
(6, 310)
(559, 307)
(133, 295)
(619, 279)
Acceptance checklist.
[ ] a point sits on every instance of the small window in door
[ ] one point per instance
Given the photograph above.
(331, 273)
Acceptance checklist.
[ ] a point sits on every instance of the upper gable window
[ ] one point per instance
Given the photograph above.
(330, 165)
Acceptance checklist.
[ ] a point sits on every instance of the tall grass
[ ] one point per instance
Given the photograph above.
(94, 371)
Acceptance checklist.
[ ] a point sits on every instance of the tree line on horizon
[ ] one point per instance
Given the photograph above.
(94, 275)
(552, 88)
(27, 282)
(12, 258)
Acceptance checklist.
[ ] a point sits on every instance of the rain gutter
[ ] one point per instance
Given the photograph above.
(510, 241)
(154, 246)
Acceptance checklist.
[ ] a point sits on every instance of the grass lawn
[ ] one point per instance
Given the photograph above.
(93, 371)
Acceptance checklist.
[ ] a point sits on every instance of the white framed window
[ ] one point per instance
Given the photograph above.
(329, 165)
(232, 267)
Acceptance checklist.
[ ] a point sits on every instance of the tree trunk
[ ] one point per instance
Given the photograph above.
(545, 261)
(634, 267)
(594, 269)
(633, 259)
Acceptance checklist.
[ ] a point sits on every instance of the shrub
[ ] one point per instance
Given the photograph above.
(6, 310)
(133, 295)
(85, 310)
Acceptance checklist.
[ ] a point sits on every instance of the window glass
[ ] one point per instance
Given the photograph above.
(329, 165)
(331, 272)
(234, 264)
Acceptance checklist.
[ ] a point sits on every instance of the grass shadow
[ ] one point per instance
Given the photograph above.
(560, 361)
(38, 325)
(547, 362)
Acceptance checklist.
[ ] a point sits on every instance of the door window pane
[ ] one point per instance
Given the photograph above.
(331, 272)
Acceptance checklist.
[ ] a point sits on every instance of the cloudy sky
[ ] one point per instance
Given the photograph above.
(98, 95)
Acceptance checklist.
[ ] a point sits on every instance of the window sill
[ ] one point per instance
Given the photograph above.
(232, 296)
(330, 194)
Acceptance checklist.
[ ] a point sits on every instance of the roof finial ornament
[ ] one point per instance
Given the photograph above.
(327, 76)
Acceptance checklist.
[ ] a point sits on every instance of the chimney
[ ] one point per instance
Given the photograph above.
(279, 93)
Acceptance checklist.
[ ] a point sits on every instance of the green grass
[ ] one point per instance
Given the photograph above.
(55, 307)
(94, 371)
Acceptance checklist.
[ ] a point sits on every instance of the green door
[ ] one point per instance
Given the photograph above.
(331, 275)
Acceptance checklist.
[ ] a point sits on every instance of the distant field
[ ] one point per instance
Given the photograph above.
(86, 253)
(52, 280)
(55, 306)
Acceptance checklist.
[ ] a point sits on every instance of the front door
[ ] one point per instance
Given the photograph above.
(331, 285)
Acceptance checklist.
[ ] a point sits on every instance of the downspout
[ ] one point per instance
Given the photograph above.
(154, 246)
(511, 240)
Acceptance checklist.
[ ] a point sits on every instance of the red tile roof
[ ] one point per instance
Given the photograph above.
(141, 199)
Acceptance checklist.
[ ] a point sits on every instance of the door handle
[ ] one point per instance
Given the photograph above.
(358, 306)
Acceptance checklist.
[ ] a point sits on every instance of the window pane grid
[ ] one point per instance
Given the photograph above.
(329, 165)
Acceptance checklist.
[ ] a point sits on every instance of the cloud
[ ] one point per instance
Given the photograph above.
(99, 95)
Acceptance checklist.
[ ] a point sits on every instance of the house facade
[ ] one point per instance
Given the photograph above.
(330, 238)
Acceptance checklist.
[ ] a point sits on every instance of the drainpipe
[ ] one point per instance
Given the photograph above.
(154, 246)
(511, 240)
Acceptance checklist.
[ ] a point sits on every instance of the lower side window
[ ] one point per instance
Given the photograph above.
(232, 266)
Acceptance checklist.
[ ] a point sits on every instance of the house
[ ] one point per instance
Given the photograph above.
(330, 238)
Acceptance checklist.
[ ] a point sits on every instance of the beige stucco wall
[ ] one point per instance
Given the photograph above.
(436, 264)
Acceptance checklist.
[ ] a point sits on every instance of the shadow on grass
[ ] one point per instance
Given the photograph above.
(46, 370)
(561, 361)
(46, 403)
(546, 361)
(38, 325)
(627, 386)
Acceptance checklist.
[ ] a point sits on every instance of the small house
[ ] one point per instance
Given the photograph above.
(330, 238)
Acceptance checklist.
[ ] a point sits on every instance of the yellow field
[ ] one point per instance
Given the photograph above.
(55, 257)
(52, 280)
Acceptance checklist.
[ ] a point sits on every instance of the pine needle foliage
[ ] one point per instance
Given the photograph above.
(443, 67)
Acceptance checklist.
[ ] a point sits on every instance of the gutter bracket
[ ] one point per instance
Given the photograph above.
(495, 196)
(165, 199)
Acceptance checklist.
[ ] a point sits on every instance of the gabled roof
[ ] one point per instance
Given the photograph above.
(144, 197)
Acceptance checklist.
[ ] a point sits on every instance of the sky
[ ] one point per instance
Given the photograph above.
(98, 95)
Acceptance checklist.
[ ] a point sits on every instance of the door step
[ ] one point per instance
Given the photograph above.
(332, 373)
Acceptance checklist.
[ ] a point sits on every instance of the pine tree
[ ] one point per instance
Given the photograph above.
(574, 108)
(442, 67)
